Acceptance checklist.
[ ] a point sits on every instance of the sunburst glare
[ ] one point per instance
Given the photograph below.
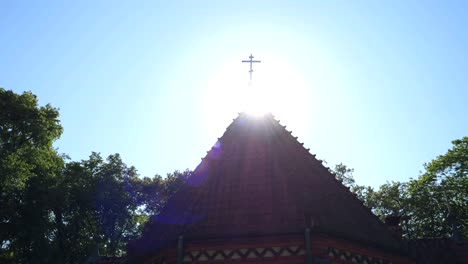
(276, 87)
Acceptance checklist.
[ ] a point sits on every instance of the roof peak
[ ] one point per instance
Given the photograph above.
(258, 179)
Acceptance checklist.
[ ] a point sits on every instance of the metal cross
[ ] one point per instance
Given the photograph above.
(251, 61)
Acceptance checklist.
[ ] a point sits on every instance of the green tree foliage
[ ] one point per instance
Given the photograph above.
(433, 205)
(52, 211)
(28, 165)
(102, 204)
(96, 208)
(391, 199)
(344, 174)
(439, 197)
(154, 192)
(99, 205)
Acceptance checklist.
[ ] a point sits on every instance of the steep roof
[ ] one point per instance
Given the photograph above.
(259, 180)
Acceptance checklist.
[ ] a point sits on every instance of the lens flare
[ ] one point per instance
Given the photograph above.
(277, 87)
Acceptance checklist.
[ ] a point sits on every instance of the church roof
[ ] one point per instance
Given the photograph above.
(259, 180)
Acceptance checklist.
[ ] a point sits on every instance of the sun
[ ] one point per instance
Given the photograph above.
(277, 87)
(254, 102)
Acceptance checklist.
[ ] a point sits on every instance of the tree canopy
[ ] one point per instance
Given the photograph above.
(53, 210)
(28, 165)
(439, 197)
(433, 205)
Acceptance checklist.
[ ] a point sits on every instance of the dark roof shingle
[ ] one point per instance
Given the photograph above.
(258, 179)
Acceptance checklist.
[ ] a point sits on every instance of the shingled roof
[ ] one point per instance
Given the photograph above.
(259, 180)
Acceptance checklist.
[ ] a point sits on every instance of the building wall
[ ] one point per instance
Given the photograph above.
(279, 249)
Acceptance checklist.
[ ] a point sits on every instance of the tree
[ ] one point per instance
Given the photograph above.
(433, 205)
(102, 204)
(96, 208)
(28, 163)
(439, 197)
(344, 174)
(154, 192)
(392, 200)
(52, 211)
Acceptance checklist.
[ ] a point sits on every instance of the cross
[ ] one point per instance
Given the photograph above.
(251, 61)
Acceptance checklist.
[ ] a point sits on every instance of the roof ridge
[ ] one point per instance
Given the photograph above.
(347, 190)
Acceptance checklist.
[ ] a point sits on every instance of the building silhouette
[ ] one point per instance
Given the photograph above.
(260, 197)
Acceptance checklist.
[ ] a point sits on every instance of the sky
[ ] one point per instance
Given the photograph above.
(380, 86)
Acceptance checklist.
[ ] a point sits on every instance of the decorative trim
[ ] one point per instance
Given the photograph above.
(160, 260)
(354, 257)
(243, 253)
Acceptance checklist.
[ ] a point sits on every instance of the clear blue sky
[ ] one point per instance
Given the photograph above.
(378, 85)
